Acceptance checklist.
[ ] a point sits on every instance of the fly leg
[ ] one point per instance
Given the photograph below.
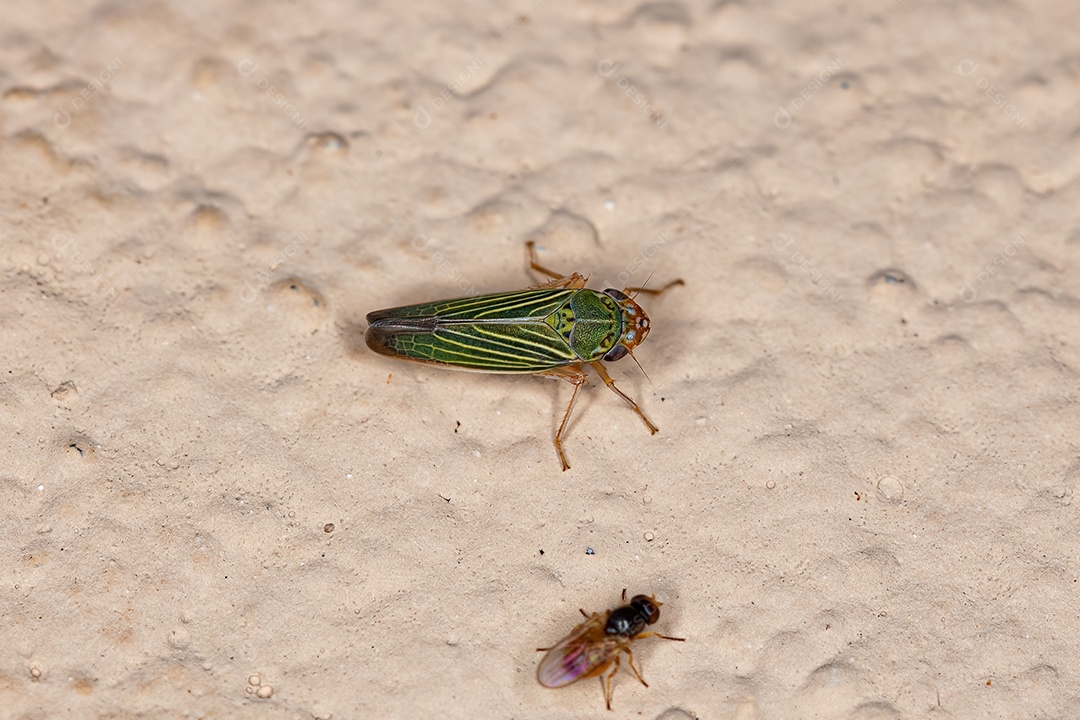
(606, 681)
(611, 384)
(649, 634)
(574, 280)
(630, 655)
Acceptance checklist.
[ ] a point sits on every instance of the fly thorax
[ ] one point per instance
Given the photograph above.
(621, 622)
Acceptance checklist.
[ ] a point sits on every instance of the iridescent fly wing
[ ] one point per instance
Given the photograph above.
(582, 653)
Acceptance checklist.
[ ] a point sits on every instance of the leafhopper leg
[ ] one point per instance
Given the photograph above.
(574, 280)
(577, 377)
(650, 291)
(611, 384)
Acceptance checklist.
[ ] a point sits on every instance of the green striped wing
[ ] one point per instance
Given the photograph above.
(504, 332)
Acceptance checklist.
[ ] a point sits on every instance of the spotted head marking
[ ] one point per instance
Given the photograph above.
(635, 326)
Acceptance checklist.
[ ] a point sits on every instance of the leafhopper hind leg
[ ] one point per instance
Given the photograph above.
(574, 280)
(611, 384)
(577, 377)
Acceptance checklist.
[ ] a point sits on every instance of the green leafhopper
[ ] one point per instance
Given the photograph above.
(553, 329)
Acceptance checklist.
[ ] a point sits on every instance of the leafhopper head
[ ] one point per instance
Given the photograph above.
(635, 326)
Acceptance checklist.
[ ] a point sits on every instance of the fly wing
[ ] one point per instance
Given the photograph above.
(575, 657)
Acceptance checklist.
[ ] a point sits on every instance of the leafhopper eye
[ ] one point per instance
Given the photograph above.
(616, 353)
(617, 294)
